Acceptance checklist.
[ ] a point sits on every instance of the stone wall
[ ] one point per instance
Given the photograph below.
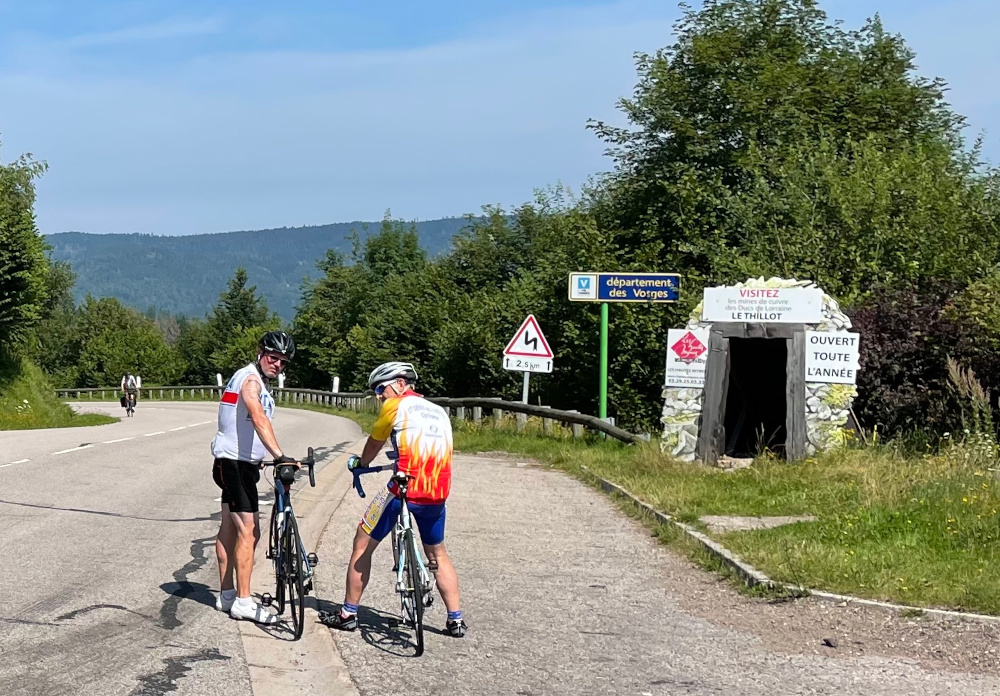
(827, 405)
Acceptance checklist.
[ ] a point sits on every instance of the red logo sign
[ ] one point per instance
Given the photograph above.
(689, 348)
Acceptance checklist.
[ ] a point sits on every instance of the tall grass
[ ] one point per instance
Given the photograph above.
(27, 401)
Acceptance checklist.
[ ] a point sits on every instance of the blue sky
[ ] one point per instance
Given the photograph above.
(183, 117)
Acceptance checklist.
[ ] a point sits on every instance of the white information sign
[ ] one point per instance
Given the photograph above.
(832, 357)
(583, 286)
(763, 305)
(528, 351)
(687, 356)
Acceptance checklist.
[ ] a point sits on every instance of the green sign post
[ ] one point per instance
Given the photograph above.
(619, 287)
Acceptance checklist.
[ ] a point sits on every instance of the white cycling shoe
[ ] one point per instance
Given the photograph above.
(223, 604)
(254, 612)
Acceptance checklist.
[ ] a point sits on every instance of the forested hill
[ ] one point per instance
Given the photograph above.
(184, 275)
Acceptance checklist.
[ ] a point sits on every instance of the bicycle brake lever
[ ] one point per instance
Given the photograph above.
(357, 486)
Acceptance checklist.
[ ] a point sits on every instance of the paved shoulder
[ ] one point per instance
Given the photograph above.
(566, 595)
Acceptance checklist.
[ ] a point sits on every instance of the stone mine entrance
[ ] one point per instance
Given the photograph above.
(762, 364)
(756, 397)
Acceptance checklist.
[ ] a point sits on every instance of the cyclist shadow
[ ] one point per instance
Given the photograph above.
(380, 630)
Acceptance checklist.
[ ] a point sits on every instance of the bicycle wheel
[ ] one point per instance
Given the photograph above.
(415, 590)
(274, 553)
(294, 575)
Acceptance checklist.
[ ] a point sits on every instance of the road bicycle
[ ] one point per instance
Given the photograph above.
(129, 404)
(413, 578)
(293, 567)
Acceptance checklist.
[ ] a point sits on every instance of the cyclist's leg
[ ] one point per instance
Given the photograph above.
(225, 543)
(375, 525)
(430, 521)
(240, 481)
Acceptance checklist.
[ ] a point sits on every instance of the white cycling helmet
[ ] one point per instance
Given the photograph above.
(390, 371)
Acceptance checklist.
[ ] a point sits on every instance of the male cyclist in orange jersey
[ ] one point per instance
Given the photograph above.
(420, 434)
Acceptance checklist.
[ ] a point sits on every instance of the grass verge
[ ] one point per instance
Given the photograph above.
(892, 525)
(28, 402)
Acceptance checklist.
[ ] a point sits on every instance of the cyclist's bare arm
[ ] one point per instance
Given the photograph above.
(250, 391)
(371, 450)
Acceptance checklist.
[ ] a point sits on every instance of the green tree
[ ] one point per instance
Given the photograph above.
(195, 346)
(240, 313)
(55, 346)
(114, 339)
(766, 126)
(23, 266)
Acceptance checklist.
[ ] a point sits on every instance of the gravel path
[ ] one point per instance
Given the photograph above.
(566, 595)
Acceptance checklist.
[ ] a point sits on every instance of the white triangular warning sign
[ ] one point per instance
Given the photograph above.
(529, 342)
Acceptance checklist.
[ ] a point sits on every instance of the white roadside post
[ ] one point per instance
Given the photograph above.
(528, 352)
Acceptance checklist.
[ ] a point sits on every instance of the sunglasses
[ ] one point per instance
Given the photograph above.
(380, 389)
(281, 362)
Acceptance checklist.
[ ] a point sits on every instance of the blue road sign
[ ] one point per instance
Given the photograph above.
(624, 287)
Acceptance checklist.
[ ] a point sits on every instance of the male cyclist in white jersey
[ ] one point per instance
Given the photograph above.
(244, 438)
(131, 384)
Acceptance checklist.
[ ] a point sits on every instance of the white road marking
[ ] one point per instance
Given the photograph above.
(122, 439)
(73, 449)
(174, 430)
(20, 461)
(202, 423)
(158, 432)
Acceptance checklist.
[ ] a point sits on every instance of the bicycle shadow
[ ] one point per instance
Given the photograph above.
(380, 630)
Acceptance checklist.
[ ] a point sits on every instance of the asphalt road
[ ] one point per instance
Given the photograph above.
(107, 561)
(565, 595)
(108, 575)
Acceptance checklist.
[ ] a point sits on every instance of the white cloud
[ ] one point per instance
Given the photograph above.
(157, 31)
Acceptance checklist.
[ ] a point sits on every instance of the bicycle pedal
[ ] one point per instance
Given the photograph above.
(428, 600)
(307, 586)
(313, 559)
(266, 600)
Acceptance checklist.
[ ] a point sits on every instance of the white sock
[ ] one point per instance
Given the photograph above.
(229, 595)
(244, 602)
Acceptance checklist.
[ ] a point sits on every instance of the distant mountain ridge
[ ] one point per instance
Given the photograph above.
(185, 275)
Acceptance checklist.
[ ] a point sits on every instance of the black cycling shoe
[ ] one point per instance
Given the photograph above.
(456, 629)
(337, 620)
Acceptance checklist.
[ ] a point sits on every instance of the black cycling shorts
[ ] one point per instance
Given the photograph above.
(238, 481)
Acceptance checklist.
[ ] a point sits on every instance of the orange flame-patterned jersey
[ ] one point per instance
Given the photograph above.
(421, 435)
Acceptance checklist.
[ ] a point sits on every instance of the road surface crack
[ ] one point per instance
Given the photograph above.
(182, 588)
(165, 681)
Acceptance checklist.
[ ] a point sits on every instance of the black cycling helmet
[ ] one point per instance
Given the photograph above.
(277, 342)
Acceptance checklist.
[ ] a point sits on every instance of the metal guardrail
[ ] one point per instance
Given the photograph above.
(365, 402)
(354, 401)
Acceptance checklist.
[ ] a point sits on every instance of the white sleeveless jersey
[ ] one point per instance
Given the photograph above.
(237, 438)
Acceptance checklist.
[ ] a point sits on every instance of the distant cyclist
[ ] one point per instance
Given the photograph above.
(244, 438)
(131, 384)
(420, 433)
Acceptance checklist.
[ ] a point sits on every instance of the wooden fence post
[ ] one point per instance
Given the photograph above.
(477, 414)
(577, 428)
(547, 423)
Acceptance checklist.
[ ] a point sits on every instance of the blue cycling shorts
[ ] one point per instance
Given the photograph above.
(381, 515)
